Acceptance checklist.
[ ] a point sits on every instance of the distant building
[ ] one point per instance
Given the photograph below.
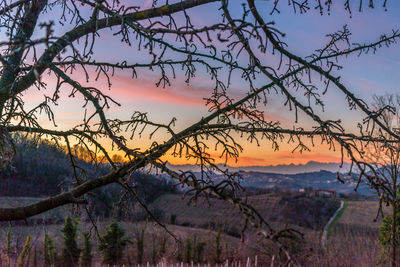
(325, 192)
(318, 192)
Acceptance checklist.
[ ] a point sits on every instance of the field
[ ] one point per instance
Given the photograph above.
(352, 239)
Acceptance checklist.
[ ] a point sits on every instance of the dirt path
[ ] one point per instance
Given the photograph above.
(324, 237)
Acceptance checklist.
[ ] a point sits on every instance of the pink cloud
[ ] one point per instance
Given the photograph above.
(127, 89)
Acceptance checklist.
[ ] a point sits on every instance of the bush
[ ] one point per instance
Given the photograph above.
(218, 247)
(139, 236)
(86, 260)
(193, 250)
(49, 251)
(198, 249)
(71, 252)
(25, 252)
(112, 244)
(172, 219)
(385, 235)
(188, 250)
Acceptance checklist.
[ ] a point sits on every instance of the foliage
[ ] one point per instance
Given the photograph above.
(112, 244)
(198, 249)
(139, 239)
(193, 249)
(86, 258)
(385, 233)
(218, 247)
(172, 219)
(49, 251)
(188, 250)
(22, 257)
(163, 245)
(8, 247)
(71, 251)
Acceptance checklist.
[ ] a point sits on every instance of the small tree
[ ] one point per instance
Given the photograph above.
(112, 244)
(198, 249)
(49, 251)
(188, 250)
(71, 251)
(154, 249)
(25, 252)
(173, 219)
(163, 245)
(218, 247)
(385, 159)
(86, 259)
(8, 247)
(139, 236)
(389, 234)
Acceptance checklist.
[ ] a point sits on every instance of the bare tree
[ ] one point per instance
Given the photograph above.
(385, 158)
(177, 46)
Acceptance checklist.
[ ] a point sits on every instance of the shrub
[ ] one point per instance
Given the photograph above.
(163, 246)
(139, 236)
(25, 252)
(49, 251)
(71, 251)
(198, 249)
(188, 250)
(172, 219)
(112, 244)
(385, 235)
(192, 250)
(86, 259)
(8, 247)
(218, 247)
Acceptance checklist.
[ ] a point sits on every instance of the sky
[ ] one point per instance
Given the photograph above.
(375, 73)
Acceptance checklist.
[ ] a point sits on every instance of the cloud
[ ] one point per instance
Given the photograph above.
(297, 157)
(126, 89)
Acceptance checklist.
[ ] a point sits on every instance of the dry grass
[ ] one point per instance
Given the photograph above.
(152, 236)
(354, 238)
(361, 213)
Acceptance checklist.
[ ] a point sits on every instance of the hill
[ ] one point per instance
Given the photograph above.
(282, 208)
(311, 166)
(320, 179)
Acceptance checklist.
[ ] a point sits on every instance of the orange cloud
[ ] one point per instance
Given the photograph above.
(127, 89)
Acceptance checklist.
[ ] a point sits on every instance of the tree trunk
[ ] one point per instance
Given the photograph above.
(393, 235)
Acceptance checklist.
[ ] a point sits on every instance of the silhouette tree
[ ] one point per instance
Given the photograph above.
(166, 41)
(385, 157)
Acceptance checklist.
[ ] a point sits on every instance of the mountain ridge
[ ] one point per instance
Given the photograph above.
(311, 166)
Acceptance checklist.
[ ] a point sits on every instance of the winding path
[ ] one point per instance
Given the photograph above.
(324, 237)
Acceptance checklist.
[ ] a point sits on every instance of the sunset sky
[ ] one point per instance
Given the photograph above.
(366, 75)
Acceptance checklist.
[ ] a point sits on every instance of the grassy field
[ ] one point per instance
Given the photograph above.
(153, 235)
(353, 239)
(301, 211)
(352, 242)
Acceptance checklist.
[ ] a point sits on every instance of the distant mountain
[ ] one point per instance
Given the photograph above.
(320, 180)
(311, 166)
(293, 177)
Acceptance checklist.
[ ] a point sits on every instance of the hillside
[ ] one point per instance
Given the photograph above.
(320, 179)
(296, 209)
(354, 237)
(311, 166)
